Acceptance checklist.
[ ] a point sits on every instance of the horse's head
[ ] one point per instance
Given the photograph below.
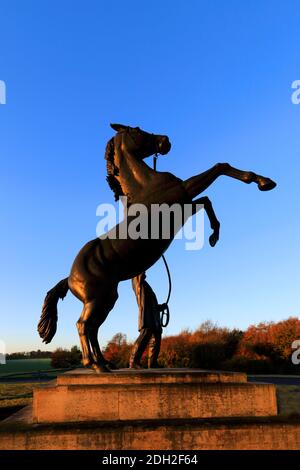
(140, 143)
(136, 142)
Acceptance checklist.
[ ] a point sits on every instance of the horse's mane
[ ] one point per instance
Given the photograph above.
(112, 170)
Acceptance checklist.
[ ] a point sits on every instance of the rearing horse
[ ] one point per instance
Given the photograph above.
(103, 262)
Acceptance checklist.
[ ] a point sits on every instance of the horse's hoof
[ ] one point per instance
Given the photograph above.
(266, 184)
(87, 363)
(134, 365)
(100, 368)
(213, 239)
(111, 365)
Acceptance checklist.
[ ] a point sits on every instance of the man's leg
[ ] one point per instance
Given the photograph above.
(139, 347)
(154, 348)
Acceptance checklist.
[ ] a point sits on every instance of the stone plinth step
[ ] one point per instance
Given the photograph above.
(132, 376)
(142, 395)
(19, 433)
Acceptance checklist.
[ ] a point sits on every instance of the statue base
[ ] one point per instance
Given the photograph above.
(151, 409)
(129, 394)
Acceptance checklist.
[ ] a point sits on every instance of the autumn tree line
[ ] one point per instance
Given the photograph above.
(263, 348)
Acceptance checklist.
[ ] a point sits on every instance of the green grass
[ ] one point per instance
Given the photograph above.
(19, 394)
(30, 370)
(20, 366)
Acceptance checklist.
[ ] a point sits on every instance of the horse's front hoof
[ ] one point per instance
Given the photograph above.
(266, 184)
(100, 368)
(213, 239)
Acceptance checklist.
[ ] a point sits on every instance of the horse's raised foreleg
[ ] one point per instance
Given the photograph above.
(214, 223)
(199, 183)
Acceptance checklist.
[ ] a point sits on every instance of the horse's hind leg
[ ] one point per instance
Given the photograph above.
(91, 353)
(83, 327)
(87, 359)
(199, 183)
(102, 308)
(93, 315)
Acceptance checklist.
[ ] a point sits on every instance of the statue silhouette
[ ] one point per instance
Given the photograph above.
(104, 262)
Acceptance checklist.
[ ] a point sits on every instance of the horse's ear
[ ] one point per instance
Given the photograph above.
(118, 127)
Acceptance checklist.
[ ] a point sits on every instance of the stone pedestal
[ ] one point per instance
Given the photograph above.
(128, 395)
(174, 409)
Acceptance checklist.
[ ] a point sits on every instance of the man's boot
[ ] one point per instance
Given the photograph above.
(153, 352)
(135, 357)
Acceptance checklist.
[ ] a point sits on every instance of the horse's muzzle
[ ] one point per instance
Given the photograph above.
(164, 145)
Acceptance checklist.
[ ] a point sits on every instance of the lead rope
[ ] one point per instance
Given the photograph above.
(165, 313)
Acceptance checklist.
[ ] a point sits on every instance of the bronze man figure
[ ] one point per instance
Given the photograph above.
(149, 323)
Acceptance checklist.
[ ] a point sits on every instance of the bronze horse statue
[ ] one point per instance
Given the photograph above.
(105, 261)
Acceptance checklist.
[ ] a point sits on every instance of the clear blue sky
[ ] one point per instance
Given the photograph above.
(216, 77)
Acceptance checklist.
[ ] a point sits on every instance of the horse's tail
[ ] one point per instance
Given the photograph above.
(48, 321)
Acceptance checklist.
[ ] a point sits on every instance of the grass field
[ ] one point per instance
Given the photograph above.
(17, 394)
(29, 370)
(19, 376)
(21, 366)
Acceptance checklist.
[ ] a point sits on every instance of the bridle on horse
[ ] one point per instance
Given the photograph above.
(165, 313)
